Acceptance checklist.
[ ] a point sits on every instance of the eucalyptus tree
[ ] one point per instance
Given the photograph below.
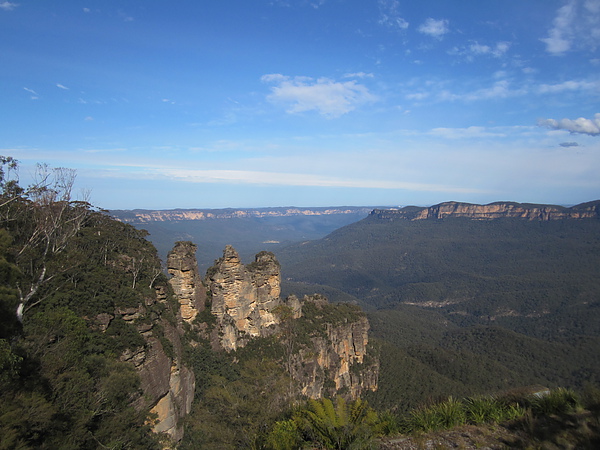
(42, 219)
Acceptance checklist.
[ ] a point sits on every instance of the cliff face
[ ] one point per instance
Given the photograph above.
(336, 358)
(168, 385)
(492, 211)
(144, 216)
(326, 344)
(185, 280)
(244, 297)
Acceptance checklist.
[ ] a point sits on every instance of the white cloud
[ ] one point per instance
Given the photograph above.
(500, 89)
(477, 49)
(358, 75)
(571, 85)
(297, 179)
(8, 6)
(60, 86)
(34, 95)
(462, 133)
(418, 96)
(434, 28)
(390, 15)
(327, 97)
(580, 126)
(575, 26)
(104, 150)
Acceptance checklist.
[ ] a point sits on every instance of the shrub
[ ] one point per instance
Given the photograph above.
(340, 426)
(488, 409)
(284, 436)
(557, 401)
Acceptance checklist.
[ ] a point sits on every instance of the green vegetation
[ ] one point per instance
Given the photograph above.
(62, 265)
(464, 307)
(77, 289)
(332, 425)
(452, 413)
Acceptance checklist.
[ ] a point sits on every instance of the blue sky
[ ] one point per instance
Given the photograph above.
(238, 103)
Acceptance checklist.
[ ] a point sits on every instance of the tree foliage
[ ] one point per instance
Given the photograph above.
(62, 264)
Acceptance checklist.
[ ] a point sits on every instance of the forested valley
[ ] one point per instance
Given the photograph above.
(488, 325)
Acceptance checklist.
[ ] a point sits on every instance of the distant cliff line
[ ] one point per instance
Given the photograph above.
(496, 210)
(144, 216)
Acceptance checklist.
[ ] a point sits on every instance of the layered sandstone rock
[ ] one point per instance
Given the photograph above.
(185, 280)
(492, 211)
(244, 297)
(326, 349)
(336, 359)
(176, 403)
(168, 385)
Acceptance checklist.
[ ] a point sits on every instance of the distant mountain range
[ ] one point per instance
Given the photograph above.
(497, 263)
(495, 210)
(248, 230)
(145, 216)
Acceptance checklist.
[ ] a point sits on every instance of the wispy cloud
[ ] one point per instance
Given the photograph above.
(434, 28)
(125, 17)
(575, 26)
(297, 179)
(503, 87)
(570, 85)
(569, 144)
(62, 86)
(34, 95)
(8, 6)
(389, 15)
(358, 75)
(580, 126)
(328, 97)
(104, 150)
(500, 89)
(465, 133)
(476, 49)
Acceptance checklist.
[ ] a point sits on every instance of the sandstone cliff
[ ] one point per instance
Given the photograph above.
(243, 298)
(333, 356)
(168, 385)
(495, 210)
(185, 280)
(145, 216)
(326, 344)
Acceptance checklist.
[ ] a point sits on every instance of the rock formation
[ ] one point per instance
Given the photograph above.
(168, 385)
(491, 211)
(185, 280)
(336, 360)
(244, 297)
(325, 347)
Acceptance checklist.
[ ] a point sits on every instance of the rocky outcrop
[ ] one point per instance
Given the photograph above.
(176, 403)
(185, 280)
(336, 360)
(243, 298)
(326, 344)
(168, 385)
(491, 211)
